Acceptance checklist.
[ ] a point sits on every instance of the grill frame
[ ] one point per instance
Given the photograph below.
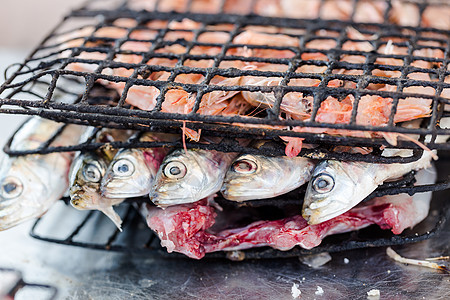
(225, 145)
(123, 117)
(343, 242)
(21, 284)
(111, 111)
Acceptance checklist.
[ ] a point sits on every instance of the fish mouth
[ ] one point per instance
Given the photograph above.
(83, 200)
(243, 189)
(242, 194)
(311, 216)
(78, 202)
(124, 189)
(319, 204)
(163, 199)
(319, 215)
(106, 182)
(122, 194)
(114, 189)
(313, 211)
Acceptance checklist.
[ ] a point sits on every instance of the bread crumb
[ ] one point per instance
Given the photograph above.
(295, 291)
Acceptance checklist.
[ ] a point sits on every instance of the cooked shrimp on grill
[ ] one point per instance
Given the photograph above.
(437, 16)
(176, 100)
(371, 110)
(402, 13)
(253, 38)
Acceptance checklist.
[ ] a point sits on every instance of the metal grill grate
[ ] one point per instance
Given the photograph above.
(138, 238)
(160, 51)
(271, 148)
(21, 289)
(94, 65)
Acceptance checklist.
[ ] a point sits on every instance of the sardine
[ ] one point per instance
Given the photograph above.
(189, 176)
(87, 172)
(31, 184)
(260, 177)
(132, 171)
(337, 186)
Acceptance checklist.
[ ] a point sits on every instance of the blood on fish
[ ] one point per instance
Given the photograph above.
(186, 228)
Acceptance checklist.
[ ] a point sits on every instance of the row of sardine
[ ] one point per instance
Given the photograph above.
(105, 177)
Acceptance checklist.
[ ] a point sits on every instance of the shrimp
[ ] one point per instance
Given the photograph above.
(197, 6)
(437, 16)
(239, 7)
(401, 13)
(293, 103)
(269, 8)
(405, 14)
(370, 11)
(173, 5)
(206, 6)
(176, 100)
(337, 9)
(250, 37)
(307, 9)
(372, 111)
(303, 9)
(148, 5)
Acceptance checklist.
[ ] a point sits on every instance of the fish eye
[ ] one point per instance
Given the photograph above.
(92, 173)
(323, 183)
(175, 170)
(11, 188)
(123, 167)
(244, 166)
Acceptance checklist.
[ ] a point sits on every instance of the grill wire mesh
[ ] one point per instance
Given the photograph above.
(163, 52)
(138, 238)
(23, 289)
(90, 67)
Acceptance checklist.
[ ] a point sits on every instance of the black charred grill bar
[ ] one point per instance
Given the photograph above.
(48, 67)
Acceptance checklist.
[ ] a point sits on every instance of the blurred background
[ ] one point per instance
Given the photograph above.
(23, 24)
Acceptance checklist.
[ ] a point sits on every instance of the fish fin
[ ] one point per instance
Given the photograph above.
(113, 216)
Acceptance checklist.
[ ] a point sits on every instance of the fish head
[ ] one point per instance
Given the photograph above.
(85, 177)
(185, 177)
(259, 177)
(330, 192)
(128, 175)
(26, 189)
(248, 176)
